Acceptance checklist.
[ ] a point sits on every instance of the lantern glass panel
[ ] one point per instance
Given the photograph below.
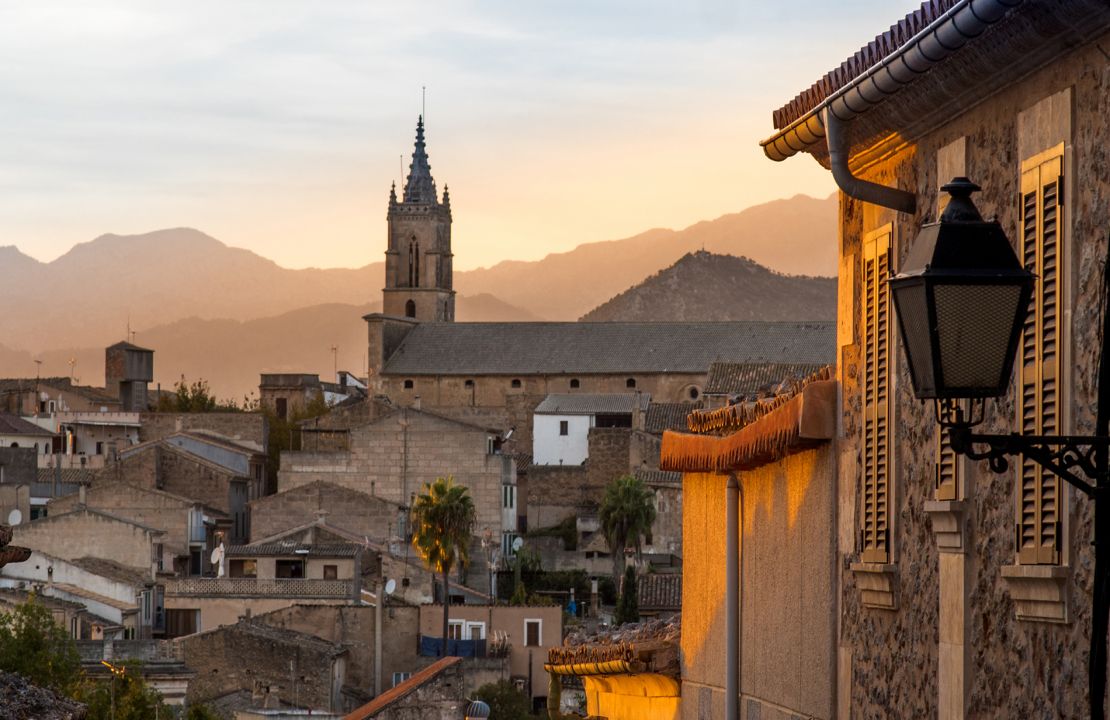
(974, 326)
(912, 304)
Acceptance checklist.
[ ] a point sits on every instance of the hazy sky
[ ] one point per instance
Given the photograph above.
(278, 126)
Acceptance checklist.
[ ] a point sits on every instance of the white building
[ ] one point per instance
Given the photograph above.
(561, 423)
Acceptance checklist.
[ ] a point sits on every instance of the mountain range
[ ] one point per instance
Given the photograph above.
(707, 286)
(226, 314)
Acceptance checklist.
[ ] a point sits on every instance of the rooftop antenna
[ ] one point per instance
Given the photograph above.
(72, 363)
(423, 112)
(335, 362)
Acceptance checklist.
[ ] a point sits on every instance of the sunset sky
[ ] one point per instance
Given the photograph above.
(278, 126)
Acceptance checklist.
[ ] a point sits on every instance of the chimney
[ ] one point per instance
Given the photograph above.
(81, 495)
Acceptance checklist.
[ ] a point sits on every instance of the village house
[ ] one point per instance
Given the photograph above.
(438, 692)
(523, 634)
(957, 591)
(204, 466)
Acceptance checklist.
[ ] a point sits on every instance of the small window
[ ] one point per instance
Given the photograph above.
(400, 677)
(455, 630)
(242, 568)
(630, 383)
(564, 427)
(408, 384)
(287, 569)
(516, 384)
(410, 309)
(281, 407)
(574, 384)
(694, 393)
(468, 384)
(533, 633)
(331, 572)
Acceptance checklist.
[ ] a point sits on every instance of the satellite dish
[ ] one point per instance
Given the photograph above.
(518, 544)
(15, 517)
(390, 586)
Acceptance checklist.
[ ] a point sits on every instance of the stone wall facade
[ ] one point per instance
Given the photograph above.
(351, 510)
(245, 656)
(394, 457)
(84, 533)
(953, 645)
(147, 507)
(353, 627)
(251, 427)
(444, 697)
(162, 467)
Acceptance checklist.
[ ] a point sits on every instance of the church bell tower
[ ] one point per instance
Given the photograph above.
(418, 273)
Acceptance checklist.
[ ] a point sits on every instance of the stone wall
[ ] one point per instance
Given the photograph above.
(130, 502)
(240, 426)
(1012, 668)
(666, 532)
(82, 533)
(351, 510)
(498, 390)
(243, 656)
(394, 457)
(353, 627)
(165, 468)
(20, 465)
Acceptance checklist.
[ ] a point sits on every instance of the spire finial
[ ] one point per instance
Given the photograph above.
(419, 186)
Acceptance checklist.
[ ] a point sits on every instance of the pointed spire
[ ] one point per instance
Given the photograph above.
(420, 187)
(393, 193)
(446, 196)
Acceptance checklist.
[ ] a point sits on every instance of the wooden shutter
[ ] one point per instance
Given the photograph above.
(947, 468)
(875, 530)
(1038, 504)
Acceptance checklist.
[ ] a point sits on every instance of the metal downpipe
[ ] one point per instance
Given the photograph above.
(732, 598)
(869, 192)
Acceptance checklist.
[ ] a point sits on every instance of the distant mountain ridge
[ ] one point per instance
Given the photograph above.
(90, 295)
(707, 286)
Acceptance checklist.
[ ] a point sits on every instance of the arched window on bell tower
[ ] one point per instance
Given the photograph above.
(410, 309)
(414, 263)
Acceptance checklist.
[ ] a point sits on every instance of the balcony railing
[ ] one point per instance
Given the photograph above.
(264, 587)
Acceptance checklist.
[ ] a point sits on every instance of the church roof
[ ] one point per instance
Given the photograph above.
(592, 404)
(420, 187)
(552, 348)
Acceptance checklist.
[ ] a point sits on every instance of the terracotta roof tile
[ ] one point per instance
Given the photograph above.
(398, 692)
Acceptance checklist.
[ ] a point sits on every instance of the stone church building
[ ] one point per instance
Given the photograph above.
(419, 354)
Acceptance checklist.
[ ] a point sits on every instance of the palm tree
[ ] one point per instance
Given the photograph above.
(627, 513)
(442, 520)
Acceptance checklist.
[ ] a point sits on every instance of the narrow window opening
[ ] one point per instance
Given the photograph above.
(574, 384)
(516, 383)
(408, 384)
(630, 383)
(410, 309)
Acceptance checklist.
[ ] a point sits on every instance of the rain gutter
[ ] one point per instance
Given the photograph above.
(965, 20)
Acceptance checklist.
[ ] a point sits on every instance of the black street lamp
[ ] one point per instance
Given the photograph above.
(961, 305)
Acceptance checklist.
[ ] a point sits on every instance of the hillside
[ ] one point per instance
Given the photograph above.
(707, 286)
(87, 297)
(796, 236)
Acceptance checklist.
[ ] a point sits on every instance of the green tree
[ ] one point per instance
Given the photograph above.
(200, 712)
(123, 696)
(628, 606)
(505, 701)
(36, 647)
(442, 521)
(626, 515)
(196, 397)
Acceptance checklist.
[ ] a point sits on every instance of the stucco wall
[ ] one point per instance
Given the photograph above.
(788, 590)
(550, 447)
(510, 620)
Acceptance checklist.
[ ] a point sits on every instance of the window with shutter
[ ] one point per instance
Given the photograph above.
(875, 385)
(1038, 533)
(947, 468)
